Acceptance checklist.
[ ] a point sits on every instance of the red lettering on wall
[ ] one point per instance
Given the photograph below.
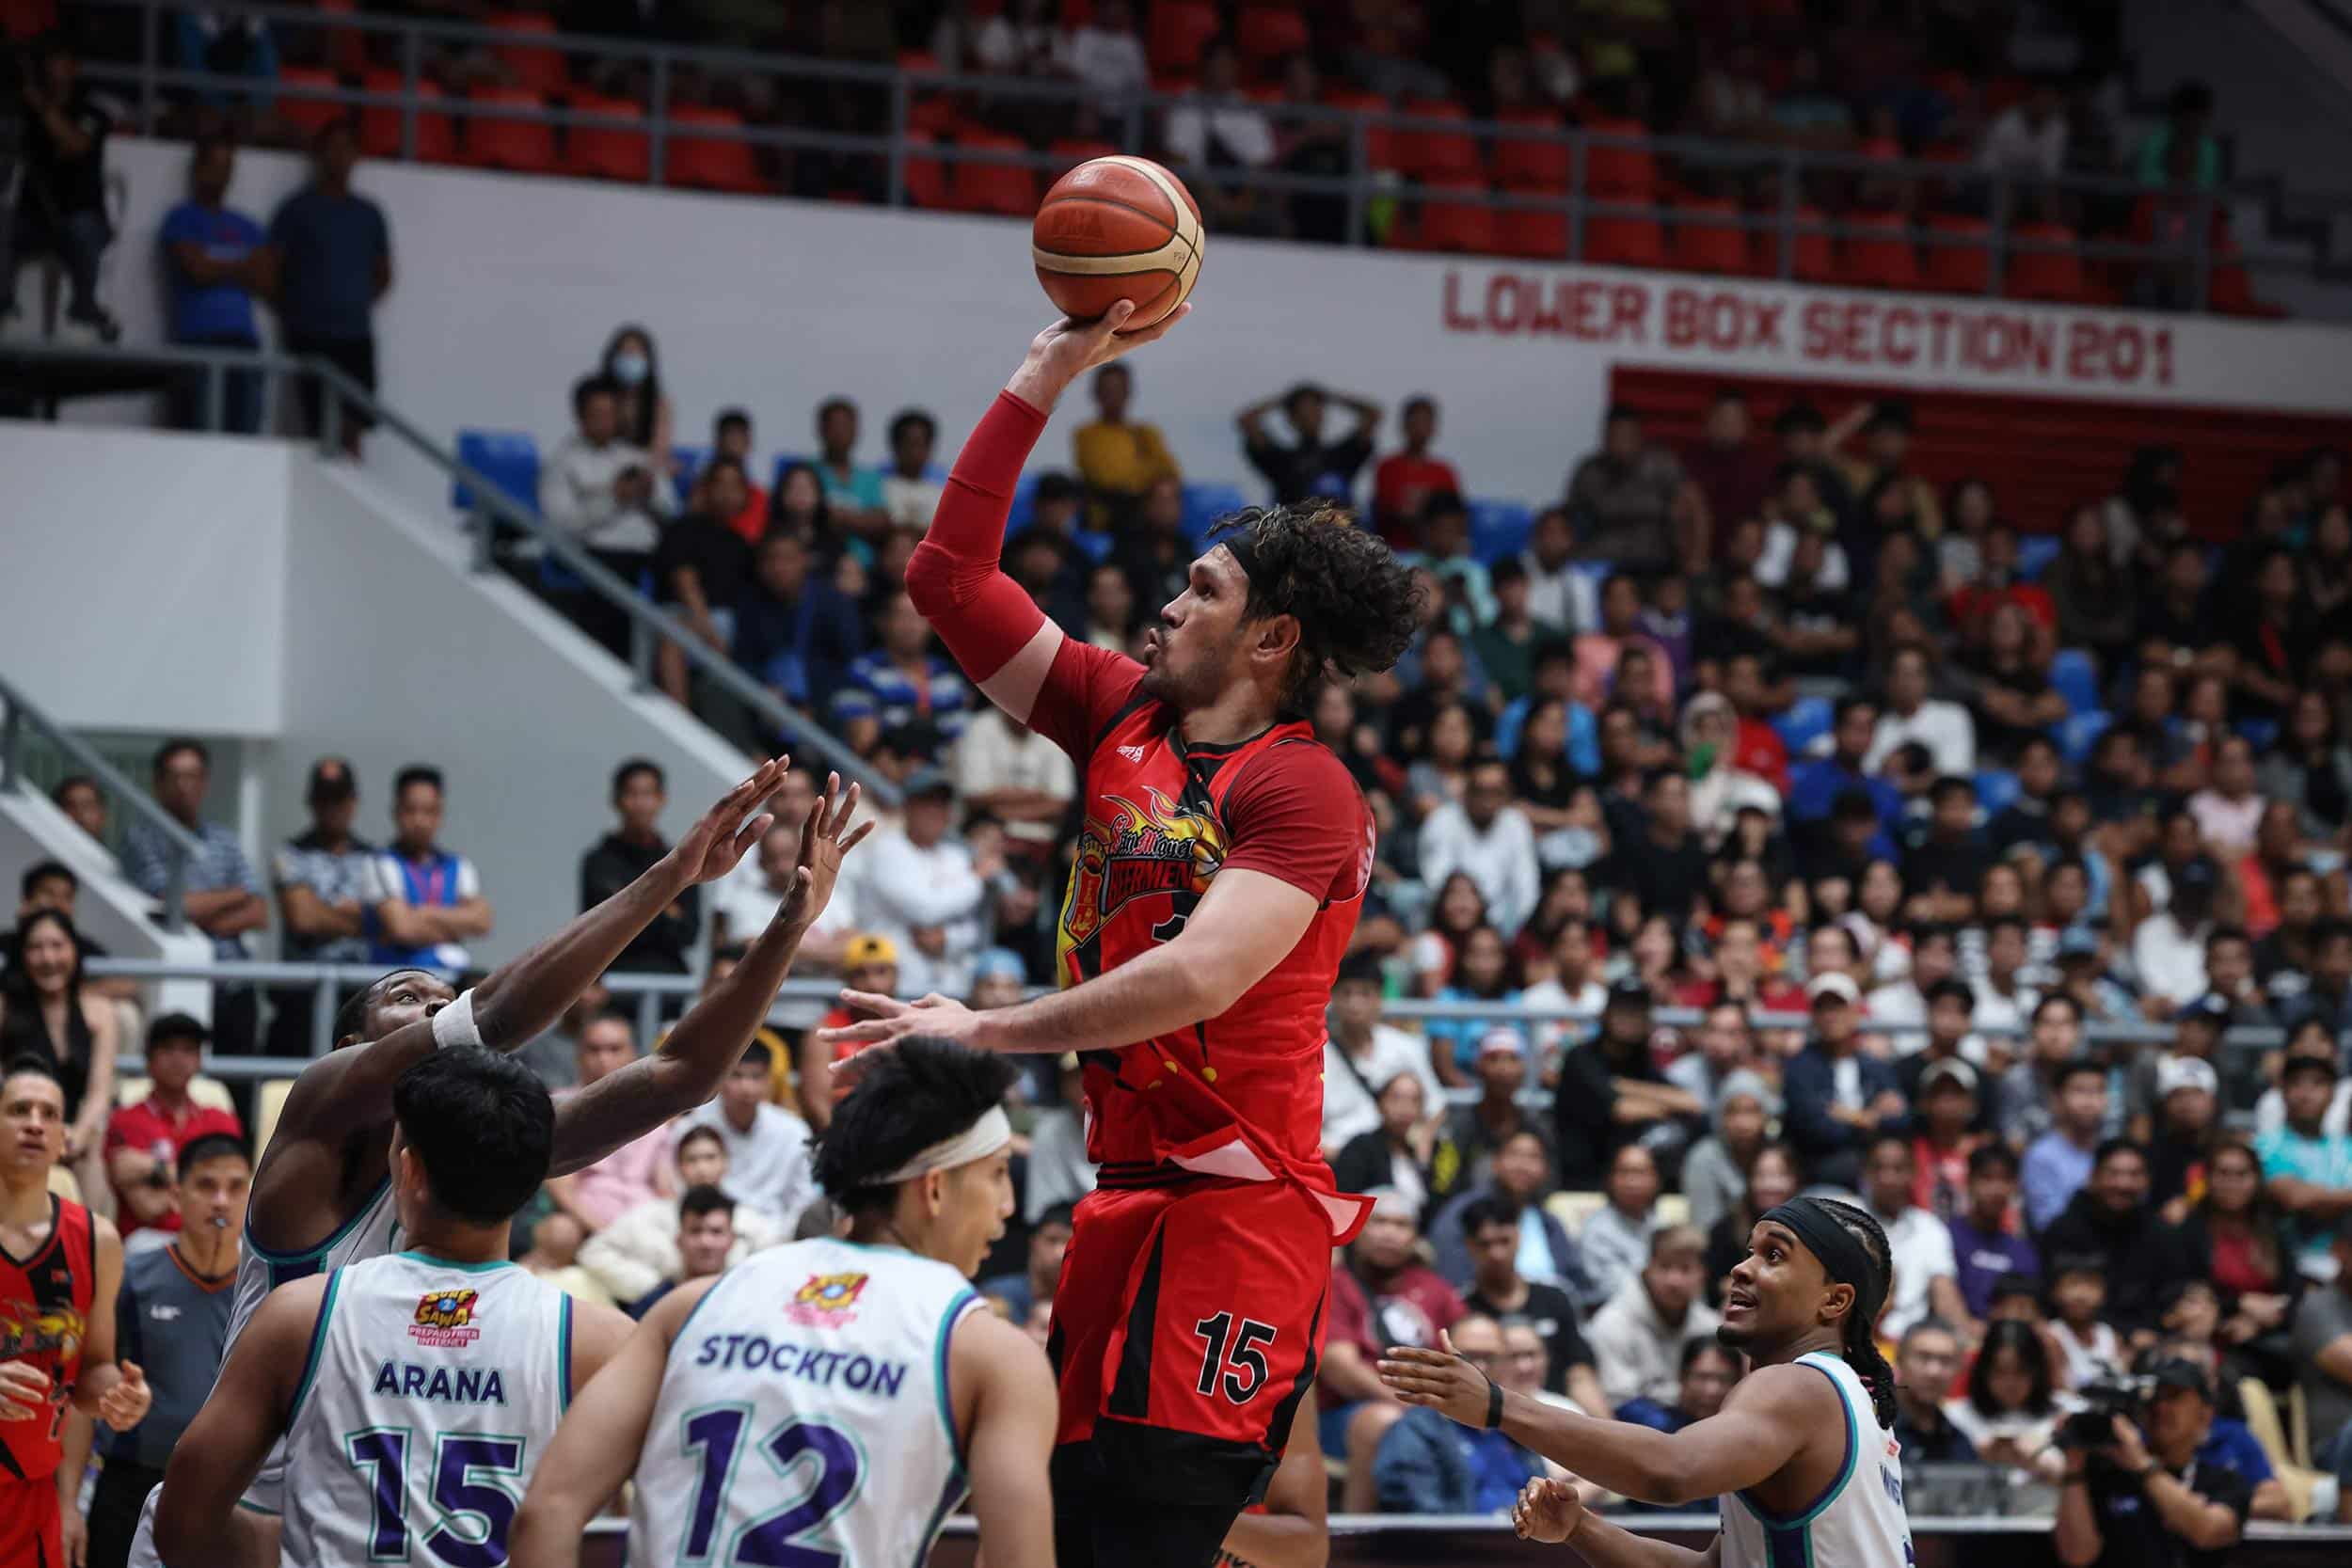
(1457, 319)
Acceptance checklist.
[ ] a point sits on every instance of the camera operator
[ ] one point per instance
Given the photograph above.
(2143, 1500)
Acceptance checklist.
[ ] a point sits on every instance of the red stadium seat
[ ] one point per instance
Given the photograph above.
(1180, 32)
(978, 186)
(523, 145)
(1959, 269)
(1537, 235)
(1266, 34)
(1620, 168)
(1070, 152)
(308, 114)
(1527, 162)
(607, 151)
(346, 47)
(2053, 276)
(926, 178)
(1880, 258)
(534, 66)
(1624, 242)
(379, 124)
(917, 61)
(710, 163)
(1813, 263)
(1429, 153)
(1707, 238)
(1456, 225)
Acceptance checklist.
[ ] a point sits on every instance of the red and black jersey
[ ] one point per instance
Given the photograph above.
(44, 1315)
(1240, 1094)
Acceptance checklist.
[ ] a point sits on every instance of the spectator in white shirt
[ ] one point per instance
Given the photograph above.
(766, 1146)
(1944, 728)
(604, 492)
(2230, 809)
(1637, 1337)
(1558, 596)
(1360, 1054)
(910, 495)
(1489, 838)
(1927, 1279)
(1016, 775)
(638, 1249)
(2168, 947)
(1107, 58)
(1574, 984)
(1217, 124)
(922, 889)
(2028, 138)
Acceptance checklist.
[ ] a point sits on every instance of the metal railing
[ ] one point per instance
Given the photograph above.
(18, 714)
(491, 509)
(646, 996)
(1368, 189)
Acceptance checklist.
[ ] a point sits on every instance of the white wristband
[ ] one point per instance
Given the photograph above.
(455, 1024)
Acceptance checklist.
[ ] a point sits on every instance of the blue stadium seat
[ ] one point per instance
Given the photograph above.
(1806, 721)
(690, 461)
(2035, 551)
(1499, 528)
(1204, 503)
(508, 459)
(1023, 504)
(2076, 678)
(2075, 736)
(2261, 733)
(784, 461)
(1996, 790)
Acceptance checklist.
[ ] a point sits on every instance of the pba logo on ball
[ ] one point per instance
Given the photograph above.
(826, 1301)
(446, 1318)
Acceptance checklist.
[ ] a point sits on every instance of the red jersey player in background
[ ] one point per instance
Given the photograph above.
(60, 1266)
(1219, 874)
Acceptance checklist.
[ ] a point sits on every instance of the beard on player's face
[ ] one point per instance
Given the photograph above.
(1196, 660)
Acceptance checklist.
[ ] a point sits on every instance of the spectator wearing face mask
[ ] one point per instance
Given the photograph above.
(631, 363)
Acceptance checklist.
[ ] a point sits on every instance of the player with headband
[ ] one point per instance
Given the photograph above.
(1802, 1454)
(832, 1400)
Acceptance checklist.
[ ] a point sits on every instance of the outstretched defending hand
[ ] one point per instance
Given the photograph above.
(1548, 1511)
(1068, 349)
(1439, 1379)
(712, 847)
(822, 847)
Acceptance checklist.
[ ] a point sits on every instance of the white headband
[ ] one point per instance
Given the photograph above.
(978, 1141)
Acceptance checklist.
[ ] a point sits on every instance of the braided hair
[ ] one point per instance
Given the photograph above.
(1861, 1349)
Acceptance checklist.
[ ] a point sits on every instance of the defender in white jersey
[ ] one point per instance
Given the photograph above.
(1802, 1459)
(325, 1174)
(410, 1395)
(832, 1399)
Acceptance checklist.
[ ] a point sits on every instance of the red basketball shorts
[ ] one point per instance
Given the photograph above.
(30, 1536)
(1187, 1324)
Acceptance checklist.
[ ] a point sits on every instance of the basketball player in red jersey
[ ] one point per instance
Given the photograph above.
(60, 1266)
(1219, 874)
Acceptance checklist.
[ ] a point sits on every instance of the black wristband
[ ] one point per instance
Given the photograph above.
(1494, 1405)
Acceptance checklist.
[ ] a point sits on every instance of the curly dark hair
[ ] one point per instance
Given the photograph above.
(1358, 605)
(1861, 1342)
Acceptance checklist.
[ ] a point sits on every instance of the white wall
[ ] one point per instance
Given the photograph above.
(507, 285)
(143, 578)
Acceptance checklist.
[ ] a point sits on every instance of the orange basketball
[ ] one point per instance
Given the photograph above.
(1116, 228)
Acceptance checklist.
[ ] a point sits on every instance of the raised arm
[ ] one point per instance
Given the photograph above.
(690, 1063)
(597, 1446)
(197, 1516)
(346, 1091)
(997, 634)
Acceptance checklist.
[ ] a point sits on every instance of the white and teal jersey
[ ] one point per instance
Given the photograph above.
(805, 1415)
(1857, 1522)
(430, 1391)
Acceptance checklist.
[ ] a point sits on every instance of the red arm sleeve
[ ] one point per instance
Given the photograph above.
(985, 617)
(1298, 815)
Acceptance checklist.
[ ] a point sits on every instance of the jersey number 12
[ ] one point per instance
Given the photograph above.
(779, 1538)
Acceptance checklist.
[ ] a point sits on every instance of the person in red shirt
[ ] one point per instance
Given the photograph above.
(144, 1140)
(60, 1267)
(1382, 1294)
(1190, 1312)
(1409, 476)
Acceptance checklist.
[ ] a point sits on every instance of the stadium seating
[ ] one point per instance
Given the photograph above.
(1623, 167)
(533, 65)
(1465, 224)
(2056, 276)
(308, 114)
(1957, 268)
(1009, 190)
(508, 459)
(1625, 240)
(1879, 257)
(2076, 678)
(1530, 232)
(1204, 503)
(1499, 528)
(605, 151)
(1528, 163)
(1708, 237)
(1803, 722)
(711, 163)
(380, 124)
(517, 146)
(1180, 32)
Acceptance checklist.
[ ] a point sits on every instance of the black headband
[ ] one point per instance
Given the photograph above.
(1243, 542)
(1843, 1259)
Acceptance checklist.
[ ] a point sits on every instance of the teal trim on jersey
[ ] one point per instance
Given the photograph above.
(952, 1494)
(251, 1507)
(309, 1255)
(318, 1347)
(954, 1315)
(1785, 1523)
(487, 1266)
(563, 1351)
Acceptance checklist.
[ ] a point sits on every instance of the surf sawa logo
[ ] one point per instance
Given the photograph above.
(827, 1301)
(446, 1318)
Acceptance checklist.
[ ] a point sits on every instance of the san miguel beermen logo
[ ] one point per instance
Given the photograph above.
(446, 1318)
(28, 1331)
(827, 1301)
(1129, 851)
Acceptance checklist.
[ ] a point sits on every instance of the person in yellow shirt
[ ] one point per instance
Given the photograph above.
(1119, 460)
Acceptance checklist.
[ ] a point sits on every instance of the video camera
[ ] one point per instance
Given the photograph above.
(2093, 1426)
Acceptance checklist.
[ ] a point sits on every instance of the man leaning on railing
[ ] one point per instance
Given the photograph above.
(221, 897)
